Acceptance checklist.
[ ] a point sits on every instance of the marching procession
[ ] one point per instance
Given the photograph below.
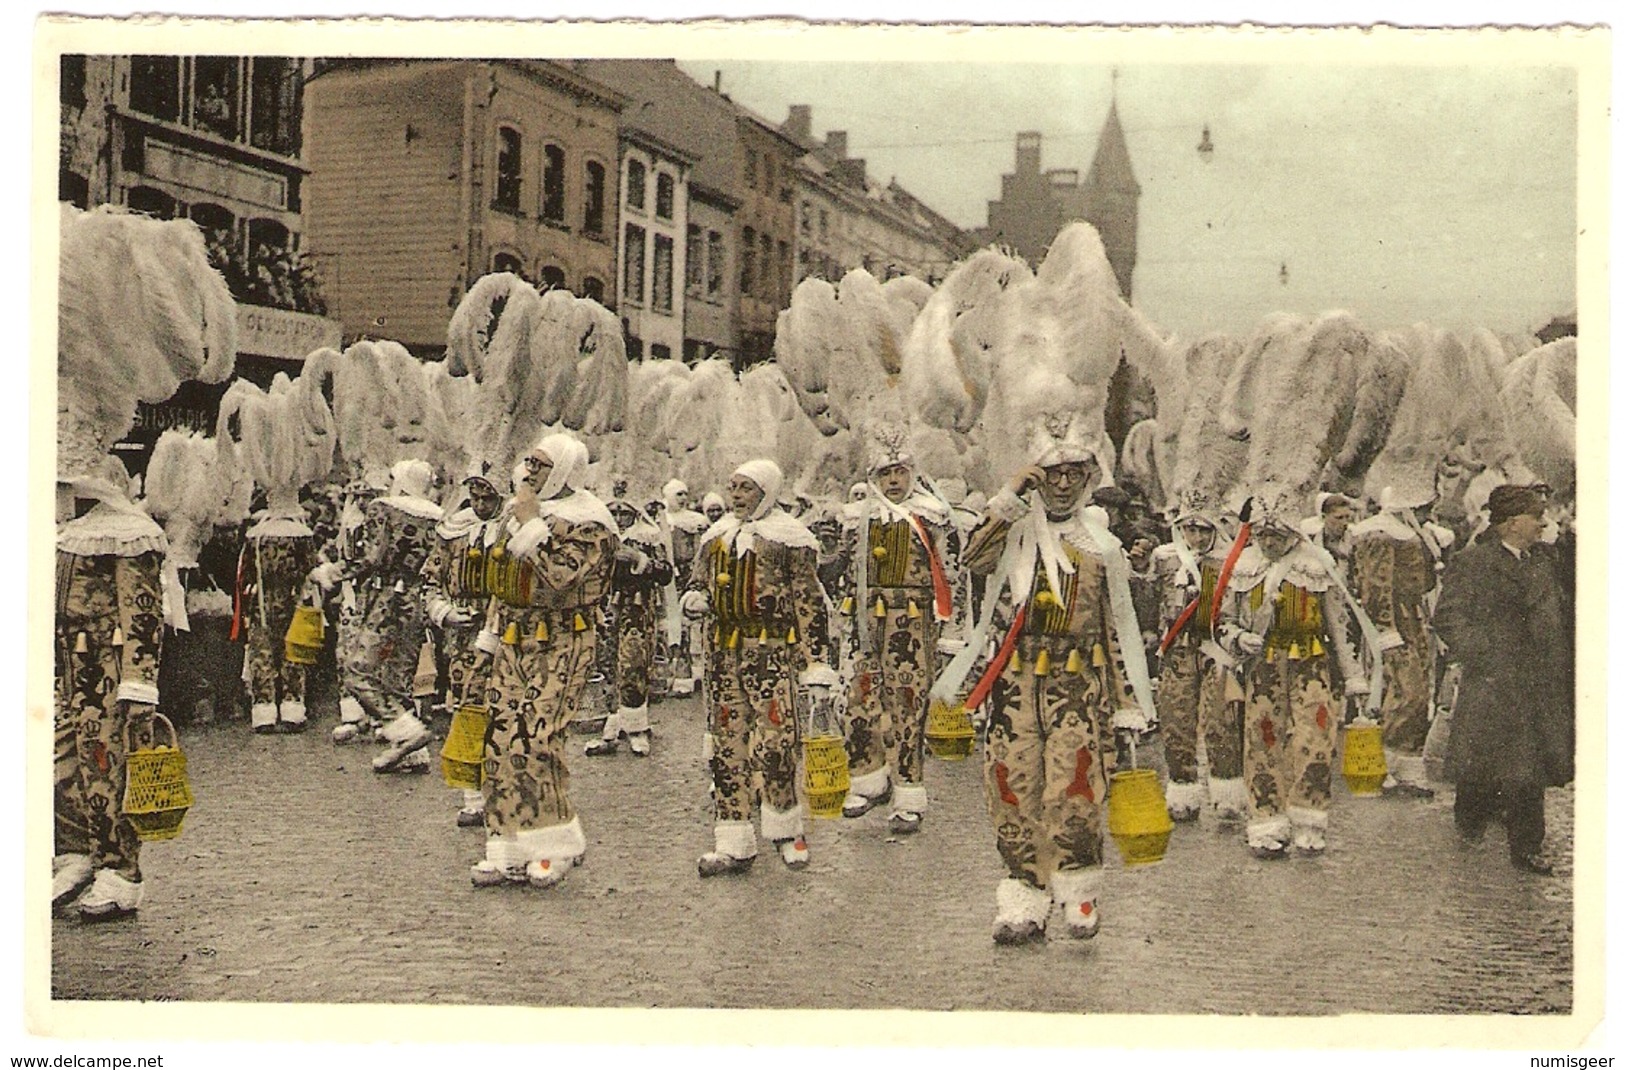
(912, 525)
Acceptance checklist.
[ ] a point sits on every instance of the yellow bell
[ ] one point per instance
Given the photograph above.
(880, 607)
(1100, 656)
(80, 645)
(1074, 662)
(913, 610)
(498, 553)
(541, 631)
(879, 552)
(475, 553)
(581, 624)
(400, 586)
(118, 636)
(790, 637)
(1293, 653)
(733, 640)
(723, 579)
(1041, 665)
(1015, 661)
(1315, 649)
(1045, 598)
(763, 637)
(846, 605)
(511, 635)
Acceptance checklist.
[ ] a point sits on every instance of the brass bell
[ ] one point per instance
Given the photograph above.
(913, 610)
(763, 637)
(1041, 665)
(880, 607)
(1100, 656)
(1046, 598)
(475, 553)
(733, 640)
(580, 623)
(498, 553)
(80, 644)
(541, 631)
(790, 637)
(846, 605)
(1293, 653)
(511, 635)
(118, 636)
(1015, 661)
(1074, 662)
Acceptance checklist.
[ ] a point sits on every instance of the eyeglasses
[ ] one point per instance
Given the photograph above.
(1065, 474)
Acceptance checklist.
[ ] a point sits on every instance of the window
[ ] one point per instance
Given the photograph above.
(156, 203)
(593, 288)
(665, 190)
(634, 184)
(155, 86)
(509, 263)
(73, 81)
(73, 188)
(219, 228)
(767, 175)
(716, 263)
(553, 184)
(270, 253)
(750, 168)
(823, 225)
(747, 262)
(769, 284)
(273, 104)
(510, 169)
(806, 218)
(214, 95)
(786, 266)
(552, 278)
(593, 222)
(634, 345)
(663, 268)
(660, 352)
(694, 263)
(632, 259)
(694, 350)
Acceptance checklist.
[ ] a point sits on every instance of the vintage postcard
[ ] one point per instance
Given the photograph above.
(808, 535)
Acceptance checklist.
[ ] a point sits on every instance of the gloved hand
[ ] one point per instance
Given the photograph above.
(694, 604)
(1389, 640)
(1250, 643)
(458, 616)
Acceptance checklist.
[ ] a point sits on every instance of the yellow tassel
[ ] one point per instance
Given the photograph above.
(1100, 656)
(581, 625)
(846, 605)
(475, 553)
(1041, 665)
(511, 635)
(1074, 662)
(723, 579)
(80, 646)
(763, 637)
(1015, 661)
(498, 553)
(879, 552)
(1045, 598)
(790, 638)
(733, 640)
(913, 610)
(541, 631)
(880, 607)
(118, 636)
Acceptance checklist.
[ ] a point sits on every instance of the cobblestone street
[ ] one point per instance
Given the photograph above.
(304, 877)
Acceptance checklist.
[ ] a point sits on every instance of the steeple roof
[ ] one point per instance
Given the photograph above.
(1111, 169)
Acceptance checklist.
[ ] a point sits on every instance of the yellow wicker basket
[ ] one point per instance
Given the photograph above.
(1137, 816)
(156, 791)
(948, 731)
(462, 759)
(303, 643)
(827, 775)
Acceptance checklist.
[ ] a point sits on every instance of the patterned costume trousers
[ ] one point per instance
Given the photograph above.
(1196, 698)
(1048, 758)
(381, 638)
(635, 651)
(1407, 688)
(754, 736)
(535, 687)
(1292, 716)
(891, 683)
(89, 758)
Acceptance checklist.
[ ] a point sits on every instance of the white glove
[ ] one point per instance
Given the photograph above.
(694, 604)
(1357, 685)
(327, 575)
(1389, 640)
(1249, 642)
(818, 675)
(1130, 719)
(457, 616)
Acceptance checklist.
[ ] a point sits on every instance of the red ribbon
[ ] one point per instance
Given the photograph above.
(941, 593)
(995, 668)
(1178, 626)
(1242, 535)
(237, 597)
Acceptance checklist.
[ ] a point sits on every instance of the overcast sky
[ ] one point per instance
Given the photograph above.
(1442, 194)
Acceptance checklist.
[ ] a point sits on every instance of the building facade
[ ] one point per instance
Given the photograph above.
(654, 245)
(766, 227)
(426, 175)
(1035, 204)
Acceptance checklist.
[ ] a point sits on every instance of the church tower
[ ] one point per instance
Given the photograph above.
(1111, 199)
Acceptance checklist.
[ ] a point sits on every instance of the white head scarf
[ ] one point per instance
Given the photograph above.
(765, 521)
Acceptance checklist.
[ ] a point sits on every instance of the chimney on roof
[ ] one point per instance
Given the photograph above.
(835, 141)
(853, 172)
(799, 124)
(716, 81)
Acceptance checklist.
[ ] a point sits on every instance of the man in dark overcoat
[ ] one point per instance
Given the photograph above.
(1505, 616)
